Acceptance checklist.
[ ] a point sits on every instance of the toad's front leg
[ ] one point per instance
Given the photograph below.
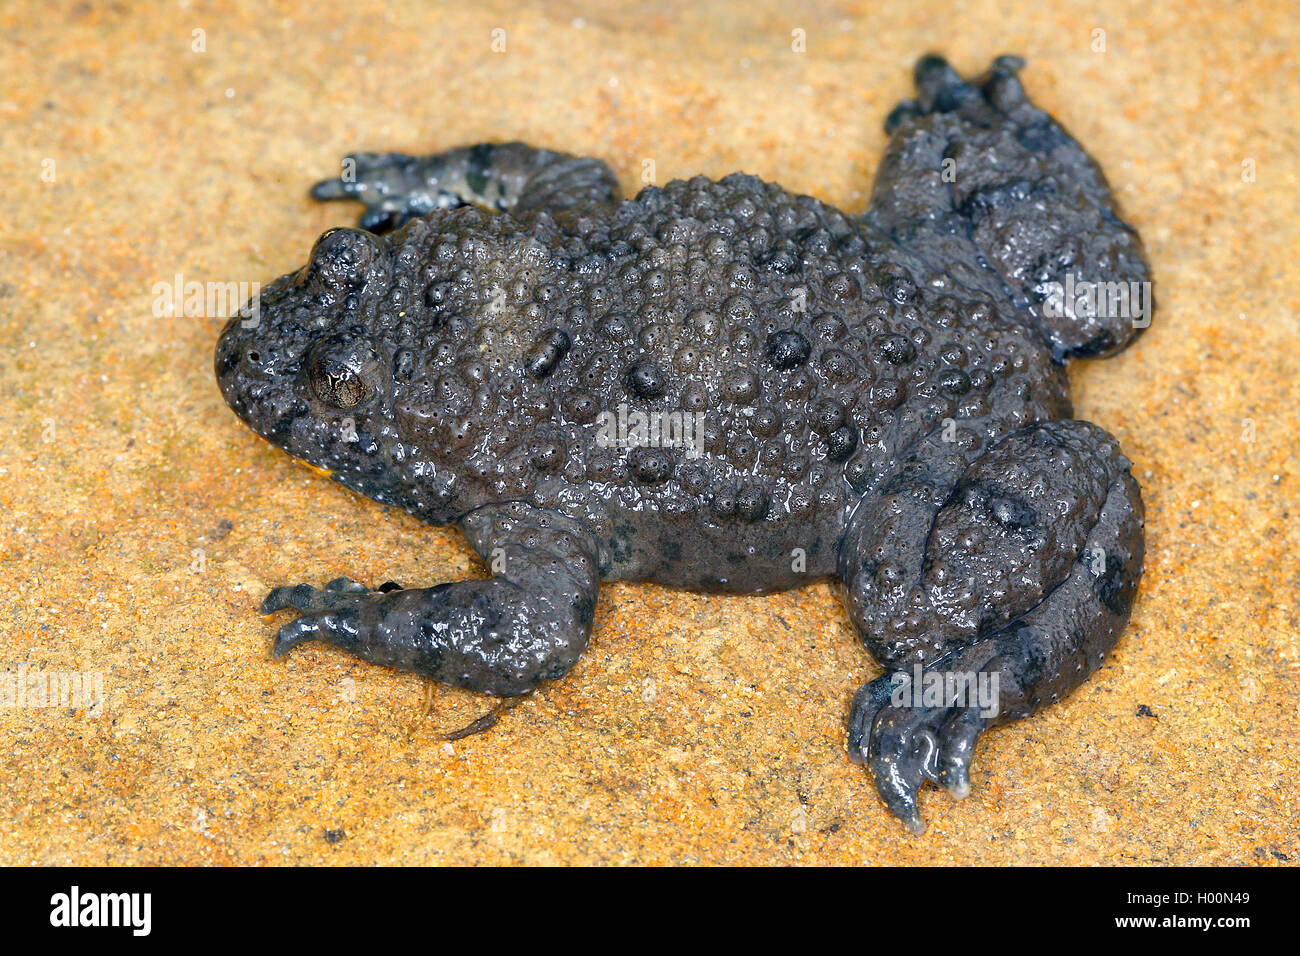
(503, 177)
(504, 635)
(1001, 585)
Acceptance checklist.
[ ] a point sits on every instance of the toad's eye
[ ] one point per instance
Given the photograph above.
(336, 384)
(343, 372)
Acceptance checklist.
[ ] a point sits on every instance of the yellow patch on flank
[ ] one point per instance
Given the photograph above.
(323, 472)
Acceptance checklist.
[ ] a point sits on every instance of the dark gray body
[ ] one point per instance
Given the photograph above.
(880, 398)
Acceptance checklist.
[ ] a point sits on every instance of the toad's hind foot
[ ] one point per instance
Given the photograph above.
(989, 591)
(909, 730)
(977, 158)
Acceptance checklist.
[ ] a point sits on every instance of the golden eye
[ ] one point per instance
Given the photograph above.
(336, 384)
(343, 371)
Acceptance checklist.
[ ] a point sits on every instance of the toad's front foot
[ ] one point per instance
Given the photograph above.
(306, 599)
(503, 635)
(396, 188)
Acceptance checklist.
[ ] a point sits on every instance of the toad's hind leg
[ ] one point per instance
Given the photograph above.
(976, 164)
(503, 177)
(528, 623)
(988, 591)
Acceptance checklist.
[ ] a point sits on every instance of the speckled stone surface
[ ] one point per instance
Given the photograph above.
(141, 523)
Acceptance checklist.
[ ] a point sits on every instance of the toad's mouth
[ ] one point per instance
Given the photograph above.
(323, 472)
